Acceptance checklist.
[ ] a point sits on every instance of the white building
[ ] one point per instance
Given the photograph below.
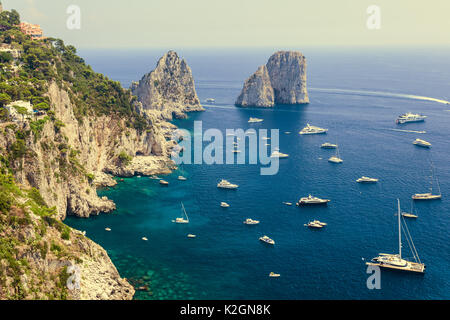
(14, 114)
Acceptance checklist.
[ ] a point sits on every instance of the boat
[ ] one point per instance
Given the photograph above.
(224, 205)
(422, 143)
(224, 184)
(210, 100)
(410, 117)
(328, 145)
(255, 120)
(279, 155)
(108, 229)
(409, 215)
(288, 203)
(336, 158)
(316, 224)
(429, 195)
(274, 275)
(312, 130)
(267, 240)
(191, 236)
(251, 221)
(163, 182)
(154, 177)
(236, 151)
(266, 138)
(184, 219)
(396, 261)
(144, 238)
(310, 200)
(364, 179)
(181, 178)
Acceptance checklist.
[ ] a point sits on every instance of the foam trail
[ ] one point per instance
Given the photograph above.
(379, 94)
(411, 131)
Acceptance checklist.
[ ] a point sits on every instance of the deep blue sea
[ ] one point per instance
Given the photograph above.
(355, 93)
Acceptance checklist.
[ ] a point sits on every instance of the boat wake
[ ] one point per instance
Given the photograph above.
(378, 94)
(410, 131)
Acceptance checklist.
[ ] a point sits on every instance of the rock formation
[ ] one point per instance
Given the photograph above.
(169, 88)
(281, 81)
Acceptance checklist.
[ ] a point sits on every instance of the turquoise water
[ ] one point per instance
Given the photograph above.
(226, 260)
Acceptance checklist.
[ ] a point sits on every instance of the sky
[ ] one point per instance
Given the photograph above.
(240, 23)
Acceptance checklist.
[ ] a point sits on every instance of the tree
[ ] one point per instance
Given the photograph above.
(4, 99)
(5, 57)
(22, 111)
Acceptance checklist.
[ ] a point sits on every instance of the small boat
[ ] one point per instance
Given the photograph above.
(364, 179)
(255, 120)
(313, 130)
(336, 158)
(154, 177)
(139, 176)
(236, 151)
(224, 205)
(410, 117)
(184, 219)
(163, 182)
(251, 221)
(210, 100)
(278, 154)
(429, 195)
(274, 275)
(422, 143)
(108, 229)
(409, 215)
(181, 178)
(266, 138)
(288, 203)
(224, 184)
(267, 240)
(144, 238)
(310, 200)
(316, 224)
(191, 236)
(396, 261)
(328, 145)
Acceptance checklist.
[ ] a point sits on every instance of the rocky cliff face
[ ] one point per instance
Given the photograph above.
(62, 162)
(168, 89)
(281, 81)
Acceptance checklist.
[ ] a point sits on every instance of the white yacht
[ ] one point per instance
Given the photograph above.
(191, 236)
(274, 275)
(163, 182)
(395, 261)
(144, 239)
(224, 184)
(316, 224)
(251, 221)
(310, 200)
(364, 179)
(267, 240)
(255, 120)
(181, 178)
(422, 143)
(278, 154)
(429, 195)
(224, 205)
(328, 145)
(410, 117)
(108, 229)
(154, 177)
(312, 130)
(184, 219)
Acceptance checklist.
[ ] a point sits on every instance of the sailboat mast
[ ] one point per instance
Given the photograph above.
(399, 231)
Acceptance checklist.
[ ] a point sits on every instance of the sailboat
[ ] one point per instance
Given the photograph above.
(411, 214)
(429, 195)
(182, 220)
(396, 261)
(336, 158)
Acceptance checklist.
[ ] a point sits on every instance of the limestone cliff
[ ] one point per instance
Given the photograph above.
(168, 89)
(281, 81)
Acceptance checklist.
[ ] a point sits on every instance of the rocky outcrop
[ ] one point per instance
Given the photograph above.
(169, 88)
(281, 81)
(63, 163)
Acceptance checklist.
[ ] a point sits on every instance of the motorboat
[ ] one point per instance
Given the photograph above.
(224, 205)
(410, 117)
(364, 179)
(181, 178)
(310, 200)
(328, 145)
(267, 240)
(251, 221)
(163, 182)
(316, 224)
(255, 120)
(278, 154)
(422, 143)
(274, 275)
(313, 130)
(224, 184)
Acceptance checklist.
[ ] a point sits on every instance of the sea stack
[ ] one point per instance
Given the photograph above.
(281, 81)
(169, 88)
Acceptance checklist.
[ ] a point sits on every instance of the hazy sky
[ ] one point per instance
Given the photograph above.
(241, 23)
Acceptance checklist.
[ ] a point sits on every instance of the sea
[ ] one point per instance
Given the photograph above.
(356, 93)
